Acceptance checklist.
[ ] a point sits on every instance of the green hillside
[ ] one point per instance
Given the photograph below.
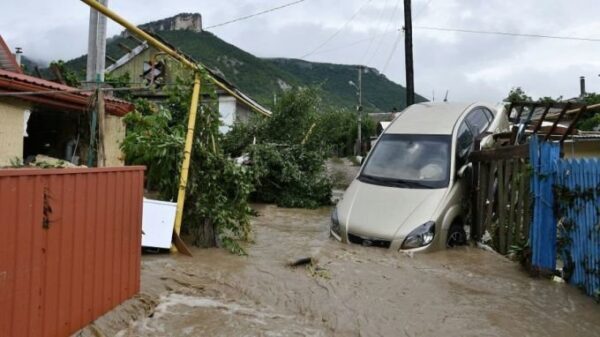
(262, 78)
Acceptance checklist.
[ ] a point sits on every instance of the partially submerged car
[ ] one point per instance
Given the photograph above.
(410, 190)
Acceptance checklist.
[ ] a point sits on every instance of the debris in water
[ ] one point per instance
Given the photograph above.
(302, 261)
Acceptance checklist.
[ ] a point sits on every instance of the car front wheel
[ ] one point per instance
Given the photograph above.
(456, 235)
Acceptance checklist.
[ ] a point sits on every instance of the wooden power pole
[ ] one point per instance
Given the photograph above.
(408, 50)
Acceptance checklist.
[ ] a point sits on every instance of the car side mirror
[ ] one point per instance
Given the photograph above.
(462, 172)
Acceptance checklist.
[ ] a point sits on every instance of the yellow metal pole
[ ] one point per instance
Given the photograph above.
(187, 152)
(193, 109)
(140, 33)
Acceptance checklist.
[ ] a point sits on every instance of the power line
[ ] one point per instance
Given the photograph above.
(394, 47)
(337, 31)
(388, 28)
(255, 14)
(380, 23)
(472, 31)
(351, 44)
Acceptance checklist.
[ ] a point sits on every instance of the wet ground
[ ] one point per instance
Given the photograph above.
(349, 291)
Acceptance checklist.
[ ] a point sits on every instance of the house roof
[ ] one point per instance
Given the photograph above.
(7, 59)
(56, 95)
(245, 99)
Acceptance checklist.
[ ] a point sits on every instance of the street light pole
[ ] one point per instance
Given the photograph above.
(359, 111)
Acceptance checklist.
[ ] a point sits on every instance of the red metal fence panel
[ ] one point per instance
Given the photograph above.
(69, 246)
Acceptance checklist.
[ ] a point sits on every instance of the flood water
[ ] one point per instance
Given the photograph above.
(351, 290)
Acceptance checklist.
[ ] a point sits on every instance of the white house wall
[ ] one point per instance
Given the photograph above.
(227, 110)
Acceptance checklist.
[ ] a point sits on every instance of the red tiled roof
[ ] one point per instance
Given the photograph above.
(58, 95)
(7, 59)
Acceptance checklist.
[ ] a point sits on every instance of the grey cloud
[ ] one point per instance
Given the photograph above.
(472, 67)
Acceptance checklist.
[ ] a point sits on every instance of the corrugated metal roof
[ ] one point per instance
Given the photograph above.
(7, 59)
(77, 100)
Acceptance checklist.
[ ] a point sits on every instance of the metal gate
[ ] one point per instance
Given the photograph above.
(69, 246)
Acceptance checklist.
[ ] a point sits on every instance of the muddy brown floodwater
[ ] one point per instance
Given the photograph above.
(350, 291)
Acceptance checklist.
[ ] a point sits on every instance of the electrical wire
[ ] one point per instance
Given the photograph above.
(372, 36)
(400, 34)
(388, 29)
(337, 31)
(393, 51)
(351, 44)
(255, 14)
(472, 31)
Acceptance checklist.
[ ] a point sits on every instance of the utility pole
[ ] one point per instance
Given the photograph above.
(96, 62)
(359, 111)
(410, 76)
(96, 58)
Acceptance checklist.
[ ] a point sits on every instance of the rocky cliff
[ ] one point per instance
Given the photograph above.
(184, 21)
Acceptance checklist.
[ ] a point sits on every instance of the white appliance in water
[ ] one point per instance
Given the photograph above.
(157, 223)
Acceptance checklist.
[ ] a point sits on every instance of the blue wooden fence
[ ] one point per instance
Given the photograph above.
(566, 200)
(542, 235)
(578, 193)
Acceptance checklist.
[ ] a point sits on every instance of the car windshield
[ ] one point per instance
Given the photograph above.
(409, 161)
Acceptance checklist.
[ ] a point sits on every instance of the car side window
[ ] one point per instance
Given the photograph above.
(464, 144)
(478, 121)
(489, 114)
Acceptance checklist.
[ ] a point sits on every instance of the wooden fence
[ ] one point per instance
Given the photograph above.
(501, 203)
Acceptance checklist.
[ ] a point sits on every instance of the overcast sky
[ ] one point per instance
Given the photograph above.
(471, 67)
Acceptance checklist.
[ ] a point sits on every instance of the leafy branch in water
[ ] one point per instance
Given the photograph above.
(288, 159)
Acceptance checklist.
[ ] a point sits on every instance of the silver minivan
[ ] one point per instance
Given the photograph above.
(410, 191)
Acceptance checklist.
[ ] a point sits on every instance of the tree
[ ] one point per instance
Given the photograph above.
(288, 159)
(517, 95)
(216, 210)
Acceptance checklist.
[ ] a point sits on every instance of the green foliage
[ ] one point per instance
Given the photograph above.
(517, 95)
(217, 190)
(119, 82)
(69, 76)
(591, 119)
(288, 161)
(290, 176)
(587, 122)
(379, 93)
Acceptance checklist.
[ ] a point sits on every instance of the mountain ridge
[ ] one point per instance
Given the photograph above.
(263, 78)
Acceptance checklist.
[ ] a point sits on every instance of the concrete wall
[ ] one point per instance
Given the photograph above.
(582, 148)
(114, 133)
(12, 127)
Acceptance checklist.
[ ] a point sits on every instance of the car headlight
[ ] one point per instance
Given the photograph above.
(420, 236)
(335, 222)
